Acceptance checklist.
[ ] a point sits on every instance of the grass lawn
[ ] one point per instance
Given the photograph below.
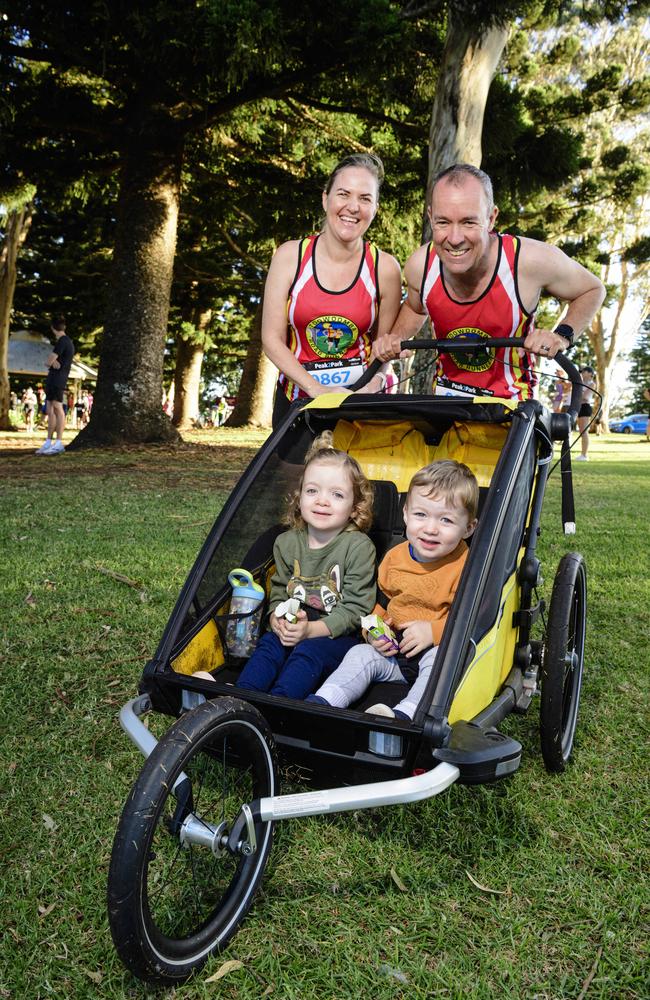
(377, 904)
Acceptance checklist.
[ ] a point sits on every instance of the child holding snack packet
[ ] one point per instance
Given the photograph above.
(325, 564)
(419, 577)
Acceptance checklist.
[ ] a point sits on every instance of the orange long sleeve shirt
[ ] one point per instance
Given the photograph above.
(419, 591)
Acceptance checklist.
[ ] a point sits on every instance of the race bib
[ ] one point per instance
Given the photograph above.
(446, 387)
(343, 373)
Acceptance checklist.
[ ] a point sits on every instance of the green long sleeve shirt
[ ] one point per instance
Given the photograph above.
(338, 580)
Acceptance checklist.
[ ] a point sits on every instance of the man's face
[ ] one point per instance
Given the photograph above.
(461, 221)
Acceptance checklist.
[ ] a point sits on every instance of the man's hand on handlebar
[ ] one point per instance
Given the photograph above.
(388, 347)
(545, 343)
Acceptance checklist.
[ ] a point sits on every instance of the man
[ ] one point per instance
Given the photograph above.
(59, 362)
(475, 283)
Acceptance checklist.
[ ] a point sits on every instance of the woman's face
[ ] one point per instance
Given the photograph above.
(351, 204)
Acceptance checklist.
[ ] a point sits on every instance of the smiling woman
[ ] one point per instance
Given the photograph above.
(328, 296)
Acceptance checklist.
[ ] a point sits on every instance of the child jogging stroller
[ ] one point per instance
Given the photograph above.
(197, 829)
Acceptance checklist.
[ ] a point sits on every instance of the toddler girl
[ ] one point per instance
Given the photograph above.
(325, 561)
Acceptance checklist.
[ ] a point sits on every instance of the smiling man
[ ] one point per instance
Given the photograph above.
(475, 283)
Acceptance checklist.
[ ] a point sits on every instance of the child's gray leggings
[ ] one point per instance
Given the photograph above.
(363, 666)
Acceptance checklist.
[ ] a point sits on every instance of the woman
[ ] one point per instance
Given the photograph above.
(586, 410)
(328, 296)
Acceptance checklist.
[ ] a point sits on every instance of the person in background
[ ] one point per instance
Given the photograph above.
(585, 412)
(475, 283)
(559, 390)
(59, 361)
(328, 296)
(30, 403)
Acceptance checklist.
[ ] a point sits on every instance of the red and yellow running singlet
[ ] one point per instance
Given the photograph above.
(330, 332)
(498, 312)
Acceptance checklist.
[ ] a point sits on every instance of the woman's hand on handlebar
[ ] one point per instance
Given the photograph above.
(545, 343)
(323, 390)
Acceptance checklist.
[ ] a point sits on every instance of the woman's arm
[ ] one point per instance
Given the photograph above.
(390, 284)
(274, 319)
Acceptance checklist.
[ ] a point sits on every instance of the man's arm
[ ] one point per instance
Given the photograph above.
(543, 266)
(411, 315)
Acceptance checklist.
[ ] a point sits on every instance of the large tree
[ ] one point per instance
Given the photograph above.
(122, 87)
(16, 223)
(590, 82)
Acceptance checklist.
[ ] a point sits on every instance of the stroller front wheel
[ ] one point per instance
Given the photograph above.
(563, 662)
(173, 902)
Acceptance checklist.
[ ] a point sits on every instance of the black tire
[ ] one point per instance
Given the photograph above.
(563, 662)
(170, 907)
(627, 430)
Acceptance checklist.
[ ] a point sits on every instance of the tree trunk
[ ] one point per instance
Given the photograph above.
(128, 399)
(612, 325)
(18, 223)
(187, 376)
(254, 405)
(470, 58)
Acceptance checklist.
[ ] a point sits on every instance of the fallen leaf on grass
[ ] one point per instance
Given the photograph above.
(95, 976)
(49, 822)
(30, 599)
(227, 967)
(397, 880)
(267, 992)
(484, 888)
(44, 911)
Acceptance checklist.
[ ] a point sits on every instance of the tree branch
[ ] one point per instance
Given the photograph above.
(373, 116)
(242, 254)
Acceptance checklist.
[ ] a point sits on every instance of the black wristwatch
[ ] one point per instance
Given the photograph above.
(565, 331)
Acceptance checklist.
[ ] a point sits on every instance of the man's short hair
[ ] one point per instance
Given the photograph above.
(458, 173)
(58, 322)
(452, 481)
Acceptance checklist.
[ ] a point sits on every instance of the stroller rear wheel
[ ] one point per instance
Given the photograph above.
(563, 662)
(172, 903)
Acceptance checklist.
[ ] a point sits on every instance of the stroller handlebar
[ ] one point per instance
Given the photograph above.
(451, 346)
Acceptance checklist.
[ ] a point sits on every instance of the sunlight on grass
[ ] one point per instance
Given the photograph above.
(564, 853)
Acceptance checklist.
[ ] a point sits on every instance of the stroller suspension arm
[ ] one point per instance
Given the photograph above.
(381, 793)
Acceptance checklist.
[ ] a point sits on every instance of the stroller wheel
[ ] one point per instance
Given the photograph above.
(563, 662)
(173, 903)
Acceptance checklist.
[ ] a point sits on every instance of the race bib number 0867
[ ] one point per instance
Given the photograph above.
(336, 373)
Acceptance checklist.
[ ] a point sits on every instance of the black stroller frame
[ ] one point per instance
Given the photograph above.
(487, 666)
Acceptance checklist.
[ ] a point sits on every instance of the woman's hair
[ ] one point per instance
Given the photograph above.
(368, 161)
(452, 481)
(323, 450)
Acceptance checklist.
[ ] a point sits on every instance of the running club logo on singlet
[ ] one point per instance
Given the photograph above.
(476, 360)
(331, 336)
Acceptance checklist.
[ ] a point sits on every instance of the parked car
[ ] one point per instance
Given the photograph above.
(635, 423)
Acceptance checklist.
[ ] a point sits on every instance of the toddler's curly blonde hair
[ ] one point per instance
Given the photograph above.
(323, 450)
